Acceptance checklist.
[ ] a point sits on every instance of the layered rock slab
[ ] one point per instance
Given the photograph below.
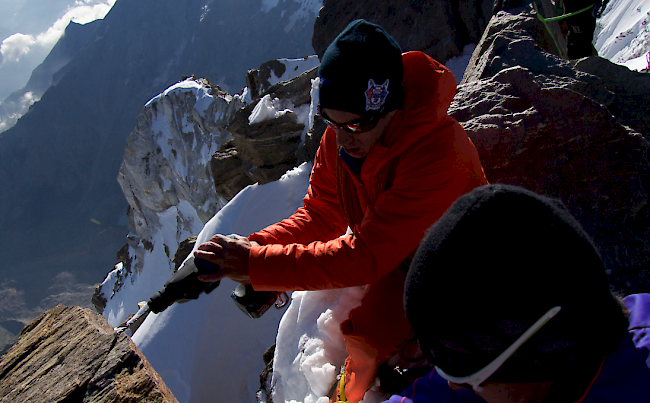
(70, 354)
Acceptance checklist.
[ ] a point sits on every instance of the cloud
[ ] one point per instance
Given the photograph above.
(16, 46)
(83, 12)
(15, 110)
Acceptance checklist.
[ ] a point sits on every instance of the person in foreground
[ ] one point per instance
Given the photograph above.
(526, 315)
(389, 164)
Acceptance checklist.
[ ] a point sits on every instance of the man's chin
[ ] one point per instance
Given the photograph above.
(355, 152)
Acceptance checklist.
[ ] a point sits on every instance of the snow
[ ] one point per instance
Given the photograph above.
(313, 106)
(269, 109)
(207, 348)
(202, 94)
(311, 325)
(623, 33)
(157, 265)
(305, 8)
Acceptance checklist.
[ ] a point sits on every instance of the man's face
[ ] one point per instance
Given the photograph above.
(357, 145)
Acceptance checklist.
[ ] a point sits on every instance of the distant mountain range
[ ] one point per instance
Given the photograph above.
(62, 208)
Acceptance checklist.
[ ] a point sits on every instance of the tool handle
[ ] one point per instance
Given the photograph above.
(184, 285)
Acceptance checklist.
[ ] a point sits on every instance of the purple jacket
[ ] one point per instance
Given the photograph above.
(625, 376)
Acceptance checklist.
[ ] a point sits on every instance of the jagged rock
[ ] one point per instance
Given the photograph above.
(257, 81)
(167, 155)
(264, 392)
(274, 71)
(443, 28)
(166, 162)
(576, 131)
(183, 251)
(264, 151)
(228, 174)
(312, 140)
(70, 354)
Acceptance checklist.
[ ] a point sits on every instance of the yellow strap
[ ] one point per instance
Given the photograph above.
(342, 398)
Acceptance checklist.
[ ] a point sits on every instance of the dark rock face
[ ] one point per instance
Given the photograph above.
(257, 80)
(70, 354)
(574, 131)
(439, 28)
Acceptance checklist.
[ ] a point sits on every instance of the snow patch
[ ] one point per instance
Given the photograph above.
(311, 327)
(201, 92)
(623, 32)
(306, 7)
(269, 109)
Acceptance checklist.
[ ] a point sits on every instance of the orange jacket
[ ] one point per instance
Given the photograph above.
(431, 162)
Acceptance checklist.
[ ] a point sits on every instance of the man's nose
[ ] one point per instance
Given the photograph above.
(343, 137)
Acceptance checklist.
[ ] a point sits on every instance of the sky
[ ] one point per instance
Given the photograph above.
(30, 28)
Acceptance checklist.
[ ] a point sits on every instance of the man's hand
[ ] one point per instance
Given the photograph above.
(230, 254)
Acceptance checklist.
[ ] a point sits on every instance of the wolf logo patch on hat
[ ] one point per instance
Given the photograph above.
(376, 95)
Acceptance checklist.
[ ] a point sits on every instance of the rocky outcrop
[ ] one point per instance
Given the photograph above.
(271, 72)
(166, 161)
(165, 174)
(576, 131)
(167, 154)
(439, 28)
(70, 354)
(263, 151)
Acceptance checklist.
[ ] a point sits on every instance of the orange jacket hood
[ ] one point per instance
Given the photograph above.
(431, 88)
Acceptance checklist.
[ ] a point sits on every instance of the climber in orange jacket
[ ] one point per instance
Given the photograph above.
(389, 165)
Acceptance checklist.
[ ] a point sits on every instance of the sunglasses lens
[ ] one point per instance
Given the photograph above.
(357, 126)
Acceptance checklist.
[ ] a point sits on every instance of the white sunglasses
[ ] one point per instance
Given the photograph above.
(476, 379)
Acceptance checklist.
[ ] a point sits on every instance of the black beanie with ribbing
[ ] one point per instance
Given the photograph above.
(361, 71)
(495, 262)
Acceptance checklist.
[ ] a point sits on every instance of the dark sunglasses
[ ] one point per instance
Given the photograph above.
(356, 126)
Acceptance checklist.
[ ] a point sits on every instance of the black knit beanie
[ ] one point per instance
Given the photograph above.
(498, 260)
(361, 71)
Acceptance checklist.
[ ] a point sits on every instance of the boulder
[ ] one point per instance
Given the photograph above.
(70, 354)
(441, 29)
(576, 131)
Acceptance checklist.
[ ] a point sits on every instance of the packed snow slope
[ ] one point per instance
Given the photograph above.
(208, 348)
